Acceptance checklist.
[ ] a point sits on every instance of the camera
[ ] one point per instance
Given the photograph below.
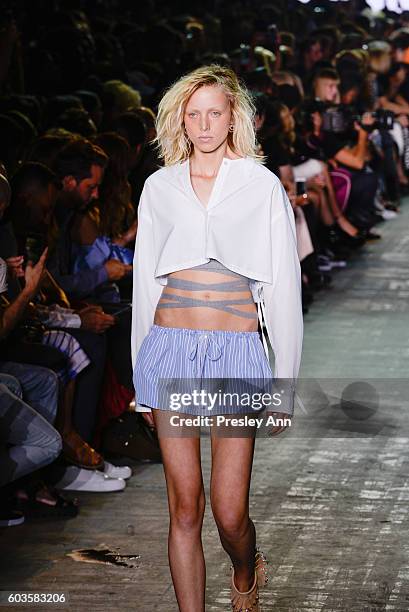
(340, 119)
(384, 119)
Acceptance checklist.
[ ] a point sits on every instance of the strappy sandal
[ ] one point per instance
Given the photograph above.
(80, 453)
(261, 568)
(244, 601)
(32, 508)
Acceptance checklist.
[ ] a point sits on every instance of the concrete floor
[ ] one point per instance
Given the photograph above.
(329, 498)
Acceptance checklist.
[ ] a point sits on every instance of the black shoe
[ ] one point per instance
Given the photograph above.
(333, 241)
(9, 517)
(319, 281)
(62, 508)
(354, 242)
(371, 236)
(307, 295)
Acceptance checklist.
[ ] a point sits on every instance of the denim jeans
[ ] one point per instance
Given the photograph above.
(39, 386)
(28, 441)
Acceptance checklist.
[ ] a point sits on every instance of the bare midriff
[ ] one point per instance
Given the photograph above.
(207, 297)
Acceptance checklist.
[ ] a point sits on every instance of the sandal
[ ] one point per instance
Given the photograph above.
(246, 601)
(33, 508)
(80, 453)
(261, 568)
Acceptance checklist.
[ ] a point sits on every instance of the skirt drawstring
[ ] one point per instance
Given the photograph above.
(204, 346)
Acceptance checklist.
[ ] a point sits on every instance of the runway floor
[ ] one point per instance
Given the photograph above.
(329, 497)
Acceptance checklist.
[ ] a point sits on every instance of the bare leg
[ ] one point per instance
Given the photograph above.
(232, 460)
(322, 200)
(186, 500)
(403, 179)
(339, 217)
(63, 421)
(75, 449)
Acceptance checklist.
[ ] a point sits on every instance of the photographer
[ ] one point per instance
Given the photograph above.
(333, 141)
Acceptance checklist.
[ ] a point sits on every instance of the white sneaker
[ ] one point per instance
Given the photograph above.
(387, 215)
(378, 204)
(117, 471)
(338, 263)
(78, 479)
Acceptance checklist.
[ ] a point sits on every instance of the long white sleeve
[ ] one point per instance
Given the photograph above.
(146, 290)
(282, 299)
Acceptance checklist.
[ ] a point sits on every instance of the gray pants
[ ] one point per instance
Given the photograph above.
(28, 405)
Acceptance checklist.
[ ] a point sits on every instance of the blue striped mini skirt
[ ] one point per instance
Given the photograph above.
(201, 372)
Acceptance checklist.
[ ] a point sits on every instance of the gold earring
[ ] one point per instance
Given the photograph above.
(231, 127)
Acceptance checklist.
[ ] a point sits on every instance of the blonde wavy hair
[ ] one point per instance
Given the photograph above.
(171, 140)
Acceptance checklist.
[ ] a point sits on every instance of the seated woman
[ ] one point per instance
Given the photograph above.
(277, 141)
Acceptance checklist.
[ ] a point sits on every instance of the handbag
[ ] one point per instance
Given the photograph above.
(29, 331)
(130, 436)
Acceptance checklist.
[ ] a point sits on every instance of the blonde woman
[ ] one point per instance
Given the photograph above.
(216, 236)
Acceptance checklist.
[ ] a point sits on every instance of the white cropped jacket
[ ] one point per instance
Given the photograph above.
(248, 225)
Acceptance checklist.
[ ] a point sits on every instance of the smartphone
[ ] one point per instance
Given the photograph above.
(274, 36)
(34, 247)
(301, 186)
(115, 313)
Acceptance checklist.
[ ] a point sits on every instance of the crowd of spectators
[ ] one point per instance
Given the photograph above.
(79, 88)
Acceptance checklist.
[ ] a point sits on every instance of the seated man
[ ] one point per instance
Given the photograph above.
(33, 198)
(27, 439)
(325, 86)
(35, 193)
(87, 398)
(80, 167)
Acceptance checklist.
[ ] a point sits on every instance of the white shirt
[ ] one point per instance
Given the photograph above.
(57, 316)
(248, 225)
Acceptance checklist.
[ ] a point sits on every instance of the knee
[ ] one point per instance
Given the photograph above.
(48, 383)
(54, 446)
(12, 384)
(52, 382)
(187, 514)
(231, 522)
